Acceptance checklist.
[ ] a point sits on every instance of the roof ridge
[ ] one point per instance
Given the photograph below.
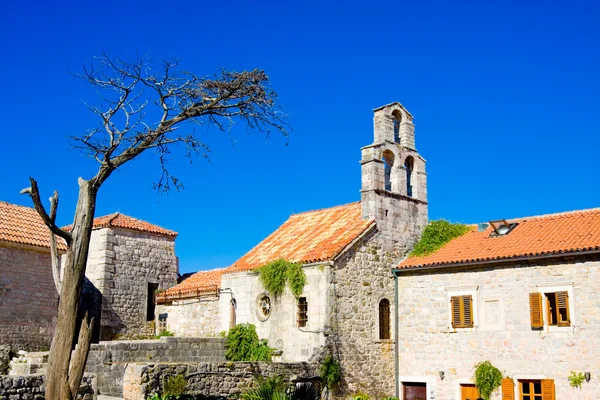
(559, 213)
(327, 208)
(17, 205)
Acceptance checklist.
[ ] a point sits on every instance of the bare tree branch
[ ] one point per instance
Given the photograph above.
(54, 255)
(34, 193)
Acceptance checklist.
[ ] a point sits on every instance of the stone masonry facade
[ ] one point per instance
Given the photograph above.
(211, 380)
(192, 317)
(502, 332)
(122, 263)
(28, 298)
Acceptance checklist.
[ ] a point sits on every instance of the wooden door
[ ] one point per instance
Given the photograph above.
(415, 391)
(468, 392)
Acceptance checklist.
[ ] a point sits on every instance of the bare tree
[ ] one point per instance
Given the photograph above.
(141, 108)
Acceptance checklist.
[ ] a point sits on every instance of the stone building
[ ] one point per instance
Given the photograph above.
(128, 260)
(346, 252)
(522, 294)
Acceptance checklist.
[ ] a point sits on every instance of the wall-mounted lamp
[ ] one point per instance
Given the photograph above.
(442, 375)
(587, 376)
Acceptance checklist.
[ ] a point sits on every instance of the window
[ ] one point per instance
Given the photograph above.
(538, 389)
(388, 161)
(263, 307)
(151, 303)
(232, 313)
(549, 308)
(384, 320)
(302, 312)
(408, 165)
(462, 311)
(397, 119)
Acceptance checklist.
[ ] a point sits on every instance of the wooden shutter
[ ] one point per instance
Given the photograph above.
(455, 305)
(562, 304)
(508, 389)
(467, 309)
(547, 389)
(535, 310)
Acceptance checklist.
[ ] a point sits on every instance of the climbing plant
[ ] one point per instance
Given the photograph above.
(436, 235)
(276, 274)
(331, 373)
(576, 379)
(243, 344)
(487, 379)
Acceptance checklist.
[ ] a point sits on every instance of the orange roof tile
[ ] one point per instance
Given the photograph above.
(23, 225)
(311, 236)
(564, 233)
(200, 282)
(118, 220)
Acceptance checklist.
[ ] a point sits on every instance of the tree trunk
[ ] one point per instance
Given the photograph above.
(57, 383)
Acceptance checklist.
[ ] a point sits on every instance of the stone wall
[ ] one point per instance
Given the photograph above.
(32, 387)
(210, 380)
(502, 332)
(107, 360)
(121, 265)
(192, 317)
(28, 298)
(281, 327)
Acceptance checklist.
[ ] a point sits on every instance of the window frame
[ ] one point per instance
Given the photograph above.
(380, 319)
(470, 290)
(555, 287)
(302, 312)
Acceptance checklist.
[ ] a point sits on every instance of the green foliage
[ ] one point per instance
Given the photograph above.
(164, 333)
(243, 344)
(436, 235)
(360, 396)
(389, 398)
(174, 386)
(331, 372)
(276, 388)
(576, 379)
(487, 379)
(276, 274)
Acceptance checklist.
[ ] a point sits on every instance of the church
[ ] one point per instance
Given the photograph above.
(519, 293)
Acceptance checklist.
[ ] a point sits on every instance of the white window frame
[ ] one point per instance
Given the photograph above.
(525, 377)
(462, 381)
(499, 325)
(463, 291)
(553, 287)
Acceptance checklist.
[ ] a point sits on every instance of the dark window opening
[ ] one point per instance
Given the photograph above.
(302, 312)
(408, 164)
(151, 307)
(232, 315)
(397, 119)
(384, 319)
(388, 161)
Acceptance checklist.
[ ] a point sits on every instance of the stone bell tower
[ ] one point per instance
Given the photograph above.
(394, 182)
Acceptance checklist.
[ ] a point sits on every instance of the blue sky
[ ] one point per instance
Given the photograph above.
(506, 100)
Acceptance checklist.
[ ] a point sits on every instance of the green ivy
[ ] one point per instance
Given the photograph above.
(436, 235)
(276, 274)
(487, 379)
(243, 344)
(576, 379)
(331, 373)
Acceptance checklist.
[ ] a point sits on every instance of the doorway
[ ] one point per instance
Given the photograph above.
(468, 392)
(414, 391)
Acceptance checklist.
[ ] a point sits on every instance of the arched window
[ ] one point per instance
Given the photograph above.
(384, 319)
(409, 165)
(388, 160)
(397, 119)
(232, 313)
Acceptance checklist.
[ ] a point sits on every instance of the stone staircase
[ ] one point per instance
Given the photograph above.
(29, 363)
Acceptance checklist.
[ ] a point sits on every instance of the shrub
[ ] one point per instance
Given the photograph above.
(174, 386)
(164, 333)
(487, 379)
(276, 388)
(576, 379)
(436, 235)
(331, 373)
(243, 344)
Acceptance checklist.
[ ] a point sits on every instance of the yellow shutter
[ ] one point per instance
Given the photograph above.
(455, 305)
(547, 389)
(535, 309)
(467, 307)
(508, 389)
(562, 303)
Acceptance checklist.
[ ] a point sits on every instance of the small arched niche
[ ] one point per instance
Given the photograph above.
(388, 162)
(385, 331)
(409, 165)
(397, 119)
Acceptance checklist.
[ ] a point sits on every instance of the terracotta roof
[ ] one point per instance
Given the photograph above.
(565, 233)
(118, 220)
(23, 225)
(197, 284)
(308, 237)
